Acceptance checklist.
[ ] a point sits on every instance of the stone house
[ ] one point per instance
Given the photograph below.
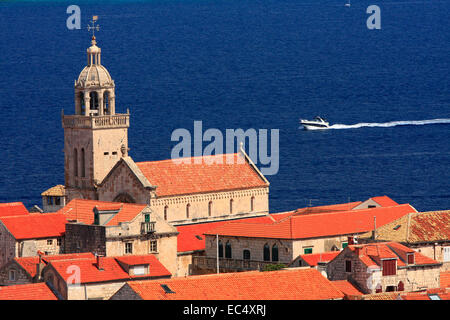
(115, 229)
(245, 245)
(384, 267)
(425, 232)
(24, 235)
(291, 284)
(98, 278)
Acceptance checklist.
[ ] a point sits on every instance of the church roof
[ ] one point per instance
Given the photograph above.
(201, 174)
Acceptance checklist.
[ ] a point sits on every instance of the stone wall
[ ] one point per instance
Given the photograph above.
(85, 238)
(21, 276)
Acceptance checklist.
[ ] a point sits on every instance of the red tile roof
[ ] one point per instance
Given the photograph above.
(13, 209)
(385, 201)
(347, 288)
(442, 293)
(29, 263)
(206, 176)
(36, 225)
(313, 258)
(112, 271)
(316, 225)
(292, 284)
(371, 254)
(191, 236)
(83, 210)
(429, 226)
(34, 291)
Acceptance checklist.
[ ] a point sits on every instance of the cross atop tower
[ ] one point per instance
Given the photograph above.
(93, 27)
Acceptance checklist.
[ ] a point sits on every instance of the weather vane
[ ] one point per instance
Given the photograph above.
(93, 27)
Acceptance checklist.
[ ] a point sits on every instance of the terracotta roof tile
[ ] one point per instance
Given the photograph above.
(174, 178)
(29, 263)
(293, 284)
(385, 201)
(58, 191)
(316, 225)
(111, 269)
(83, 210)
(35, 291)
(13, 209)
(36, 225)
(347, 288)
(313, 258)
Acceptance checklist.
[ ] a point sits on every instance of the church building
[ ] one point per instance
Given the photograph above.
(98, 167)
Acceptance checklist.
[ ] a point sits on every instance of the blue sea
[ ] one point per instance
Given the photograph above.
(259, 64)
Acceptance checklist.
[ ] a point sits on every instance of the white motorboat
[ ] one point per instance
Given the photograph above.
(316, 124)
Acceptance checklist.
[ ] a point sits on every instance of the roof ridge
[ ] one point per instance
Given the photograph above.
(202, 156)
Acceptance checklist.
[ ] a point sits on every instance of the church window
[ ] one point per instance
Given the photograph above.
(166, 212)
(210, 208)
(228, 250)
(83, 164)
(231, 206)
(106, 102)
(220, 249)
(75, 162)
(246, 254)
(252, 204)
(94, 100)
(275, 253)
(266, 252)
(188, 206)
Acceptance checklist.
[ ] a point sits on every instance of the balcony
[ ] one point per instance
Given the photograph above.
(96, 122)
(147, 227)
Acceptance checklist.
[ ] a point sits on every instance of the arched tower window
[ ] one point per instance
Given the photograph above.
(252, 204)
(83, 164)
(209, 209)
(220, 249)
(94, 100)
(246, 254)
(231, 206)
(75, 162)
(266, 252)
(106, 109)
(274, 252)
(166, 212)
(228, 250)
(81, 103)
(188, 207)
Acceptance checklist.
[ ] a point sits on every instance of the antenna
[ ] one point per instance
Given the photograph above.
(93, 27)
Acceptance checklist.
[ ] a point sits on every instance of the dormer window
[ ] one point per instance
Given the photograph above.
(410, 258)
(139, 270)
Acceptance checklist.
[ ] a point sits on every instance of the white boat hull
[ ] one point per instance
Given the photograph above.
(312, 127)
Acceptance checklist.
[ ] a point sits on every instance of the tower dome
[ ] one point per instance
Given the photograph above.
(94, 74)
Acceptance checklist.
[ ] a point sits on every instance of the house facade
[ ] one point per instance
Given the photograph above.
(384, 267)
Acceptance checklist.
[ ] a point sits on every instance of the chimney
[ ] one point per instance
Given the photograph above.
(38, 266)
(99, 260)
(357, 250)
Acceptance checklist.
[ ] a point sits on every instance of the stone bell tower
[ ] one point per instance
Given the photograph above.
(95, 137)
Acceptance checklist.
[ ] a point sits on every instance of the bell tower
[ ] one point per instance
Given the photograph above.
(95, 137)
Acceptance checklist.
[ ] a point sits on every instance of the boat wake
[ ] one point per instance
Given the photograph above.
(390, 124)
